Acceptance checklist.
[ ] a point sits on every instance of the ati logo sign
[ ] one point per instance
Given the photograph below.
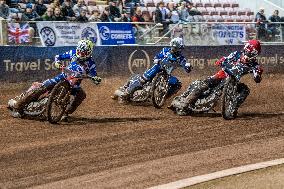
(138, 61)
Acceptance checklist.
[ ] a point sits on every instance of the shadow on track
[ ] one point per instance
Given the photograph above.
(84, 120)
(263, 115)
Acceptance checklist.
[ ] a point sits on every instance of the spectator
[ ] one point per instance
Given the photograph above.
(282, 28)
(30, 14)
(260, 25)
(4, 9)
(40, 8)
(161, 13)
(82, 17)
(58, 15)
(48, 15)
(126, 17)
(161, 16)
(138, 16)
(114, 11)
(55, 4)
(67, 10)
(192, 11)
(16, 17)
(183, 12)
(67, 3)
(106, 17)
(95, 17)
(79, 7)
(173, 13)
(272, 27)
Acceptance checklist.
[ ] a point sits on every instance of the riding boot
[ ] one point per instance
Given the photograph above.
(25, 98)
(79, 97)
(243, 92)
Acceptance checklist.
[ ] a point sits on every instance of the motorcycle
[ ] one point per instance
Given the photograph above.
(226, 91)
(51, 105)
(154, 90)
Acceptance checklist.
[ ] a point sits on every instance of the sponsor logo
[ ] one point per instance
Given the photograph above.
(89, 33)
(138, 61)
(104, 33)
(48, 36)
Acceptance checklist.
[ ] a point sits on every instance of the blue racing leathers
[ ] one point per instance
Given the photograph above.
(159, 63)
(77, 66)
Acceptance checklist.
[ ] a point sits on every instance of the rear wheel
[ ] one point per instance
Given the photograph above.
(229, 99)
(160, 89)
(57, 102)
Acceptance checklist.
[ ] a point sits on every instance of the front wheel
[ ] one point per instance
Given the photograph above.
(229, 99)
(57, 102)
(160, 89)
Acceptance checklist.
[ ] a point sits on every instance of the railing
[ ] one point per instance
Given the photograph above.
(223, 33)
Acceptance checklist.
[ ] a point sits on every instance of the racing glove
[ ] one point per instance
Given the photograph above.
(220, 61)
(57, 64)
(97, 80)
(188, 67)
(156, 61)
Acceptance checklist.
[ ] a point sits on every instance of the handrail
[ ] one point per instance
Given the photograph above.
(151, 29)
(166, 33)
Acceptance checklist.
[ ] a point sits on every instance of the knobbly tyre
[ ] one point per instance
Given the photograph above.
(202, 95)
(51, 105)
(154, 91)
(156, 83)
(227, 91)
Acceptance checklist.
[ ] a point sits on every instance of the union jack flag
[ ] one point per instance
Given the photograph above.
(18, 33)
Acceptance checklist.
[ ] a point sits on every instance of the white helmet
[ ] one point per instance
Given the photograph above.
(176, 44)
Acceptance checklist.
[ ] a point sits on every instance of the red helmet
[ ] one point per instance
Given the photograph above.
(252, 48)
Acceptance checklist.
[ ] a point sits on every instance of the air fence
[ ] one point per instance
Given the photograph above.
(26, 63)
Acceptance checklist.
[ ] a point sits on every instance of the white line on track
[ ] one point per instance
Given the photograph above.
(219, 174)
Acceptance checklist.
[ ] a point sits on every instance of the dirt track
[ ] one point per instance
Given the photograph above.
(137, 146)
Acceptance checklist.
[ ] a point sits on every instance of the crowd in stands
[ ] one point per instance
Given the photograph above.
(167, 11)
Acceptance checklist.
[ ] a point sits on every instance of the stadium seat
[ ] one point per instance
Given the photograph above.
(221, 11)
(252, 17)
(212, 11)
(203, 10)
(218, 18)
(198, 5)
(228, 18)
(199, 18)
(216, 3)
(241, 12)
(195, 1)
(231, 11)
(209, 18)
(239, 19)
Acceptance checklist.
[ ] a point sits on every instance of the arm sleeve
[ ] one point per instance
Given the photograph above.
(161, 54)
(182, 63)
(66, 55)
(257, 72)
(92, 68)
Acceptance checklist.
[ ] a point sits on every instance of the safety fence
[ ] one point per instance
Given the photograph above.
(36, 63)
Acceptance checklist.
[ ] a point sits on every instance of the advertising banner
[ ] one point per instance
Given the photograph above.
(66, 33)
(116, 33)
(20, 63)
(18, 33)
(205, 34)
(228, 34)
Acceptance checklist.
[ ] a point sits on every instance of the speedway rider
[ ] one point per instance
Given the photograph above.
(81, 62)
(176, 46)
(237, 64)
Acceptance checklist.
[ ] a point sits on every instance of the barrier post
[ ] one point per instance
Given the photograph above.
(3, 32)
